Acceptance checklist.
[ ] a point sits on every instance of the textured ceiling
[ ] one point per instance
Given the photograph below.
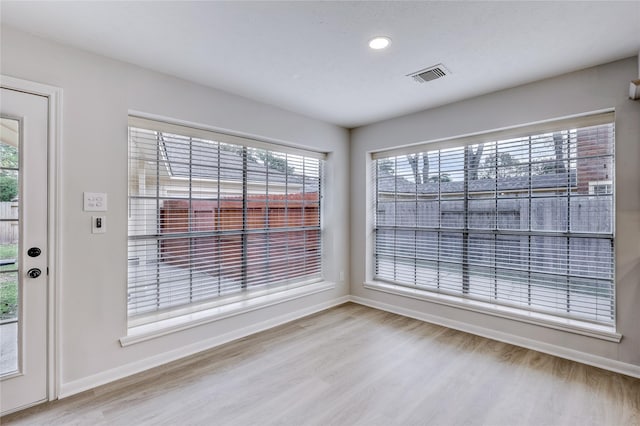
(312, 57)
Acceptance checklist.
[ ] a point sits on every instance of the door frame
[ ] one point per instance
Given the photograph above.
(54, 225)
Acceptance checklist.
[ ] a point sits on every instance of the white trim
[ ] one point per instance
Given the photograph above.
(54, 96)
(80, 385)
(549, 321)
(155, 329)
(559, 351)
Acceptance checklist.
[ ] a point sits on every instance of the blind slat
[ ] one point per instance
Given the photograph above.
(525, 221)
(210, 218)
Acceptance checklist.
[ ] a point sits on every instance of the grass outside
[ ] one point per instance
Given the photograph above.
(8, 296)
(8, 283)
(8, 251)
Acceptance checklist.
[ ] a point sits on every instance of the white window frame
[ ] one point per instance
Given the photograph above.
(594, 186)
(159, 323)
(587, 328)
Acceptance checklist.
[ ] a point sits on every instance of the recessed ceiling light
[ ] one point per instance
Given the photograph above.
(378, 43)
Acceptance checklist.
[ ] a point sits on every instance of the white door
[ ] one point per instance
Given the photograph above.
(23, 249)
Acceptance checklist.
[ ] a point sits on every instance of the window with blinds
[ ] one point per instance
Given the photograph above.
(521, 218)
(214, 215)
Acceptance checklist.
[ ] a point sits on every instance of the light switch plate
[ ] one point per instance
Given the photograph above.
(95, 202)
(98, 224)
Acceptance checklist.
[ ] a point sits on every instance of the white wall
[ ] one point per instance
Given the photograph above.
(97, 95)
(592, 89)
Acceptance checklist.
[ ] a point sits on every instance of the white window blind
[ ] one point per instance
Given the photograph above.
(213, 215)
(519, 220)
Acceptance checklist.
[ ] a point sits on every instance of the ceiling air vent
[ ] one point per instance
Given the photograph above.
(429, 74)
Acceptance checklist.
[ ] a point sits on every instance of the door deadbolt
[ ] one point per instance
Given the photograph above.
(34, 272)
(34, 252)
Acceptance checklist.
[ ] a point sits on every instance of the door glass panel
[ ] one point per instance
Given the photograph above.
(9, 237)
(9, 327)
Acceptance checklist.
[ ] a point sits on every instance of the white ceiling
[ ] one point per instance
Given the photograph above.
(312, 57)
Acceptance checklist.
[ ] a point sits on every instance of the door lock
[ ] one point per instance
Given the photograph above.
(34, 272)
(34, 252)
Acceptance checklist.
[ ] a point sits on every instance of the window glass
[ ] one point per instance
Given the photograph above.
(524, 221)
(209, 218)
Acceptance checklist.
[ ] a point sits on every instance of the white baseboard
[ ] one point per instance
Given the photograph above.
(559, 351)
(90, 382)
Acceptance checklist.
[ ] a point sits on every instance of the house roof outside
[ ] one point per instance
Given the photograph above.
(390, 183)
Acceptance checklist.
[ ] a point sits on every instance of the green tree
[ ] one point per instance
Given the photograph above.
(444, 177)
(8, 156)
(254, 155)
(507, 166)
(8, 182)
(8, 187)
(274, 162)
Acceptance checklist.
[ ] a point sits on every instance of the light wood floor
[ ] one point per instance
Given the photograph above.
(353, 365)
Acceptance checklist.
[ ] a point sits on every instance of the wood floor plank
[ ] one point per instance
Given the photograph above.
(353, 365)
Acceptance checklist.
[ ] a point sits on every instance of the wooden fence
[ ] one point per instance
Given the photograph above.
(9, 230)
(586, 214)
(274, 248)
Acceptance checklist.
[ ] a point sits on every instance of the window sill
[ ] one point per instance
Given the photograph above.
(165, 326)
(569, 325)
